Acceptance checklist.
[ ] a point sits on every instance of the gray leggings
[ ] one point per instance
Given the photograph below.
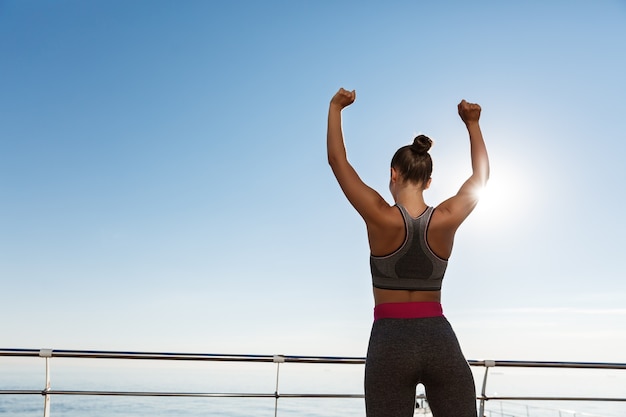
(405, 352)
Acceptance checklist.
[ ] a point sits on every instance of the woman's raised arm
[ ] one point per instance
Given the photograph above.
(461, 205)
(364, 199)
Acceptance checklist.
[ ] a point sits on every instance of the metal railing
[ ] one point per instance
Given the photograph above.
(489, 364)
(483, 397)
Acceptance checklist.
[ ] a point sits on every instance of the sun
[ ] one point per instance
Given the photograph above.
(503, 197)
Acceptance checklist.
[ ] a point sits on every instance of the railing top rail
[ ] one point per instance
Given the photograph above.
(549, 364)
(100, 354)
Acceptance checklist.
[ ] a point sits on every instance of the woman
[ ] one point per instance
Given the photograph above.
(411, 341)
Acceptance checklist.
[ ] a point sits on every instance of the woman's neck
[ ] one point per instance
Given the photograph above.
(412, 199)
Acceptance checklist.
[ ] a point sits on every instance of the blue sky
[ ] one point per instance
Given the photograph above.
(164, 185)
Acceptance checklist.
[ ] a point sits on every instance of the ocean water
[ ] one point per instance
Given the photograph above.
(260, 378)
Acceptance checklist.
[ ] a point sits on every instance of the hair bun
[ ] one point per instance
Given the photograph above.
(421, 144)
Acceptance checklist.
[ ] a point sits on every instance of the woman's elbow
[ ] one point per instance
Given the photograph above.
(335, 160)
(332, 160)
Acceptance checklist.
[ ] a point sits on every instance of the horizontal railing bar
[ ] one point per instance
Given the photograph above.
(202, 394)
(94, 354)
(20, 392)
(548, 364)
(279, 395)
(178, 394)
(97, 354)
(591, 399)
(163, 394)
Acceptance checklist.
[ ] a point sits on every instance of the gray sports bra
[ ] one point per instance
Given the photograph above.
(413, 266)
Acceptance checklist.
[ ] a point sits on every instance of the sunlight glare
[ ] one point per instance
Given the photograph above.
(503, 196)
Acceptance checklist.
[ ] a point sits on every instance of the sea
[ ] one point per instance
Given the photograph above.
(67, 374)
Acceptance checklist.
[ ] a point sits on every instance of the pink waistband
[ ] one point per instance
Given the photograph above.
(416, 310)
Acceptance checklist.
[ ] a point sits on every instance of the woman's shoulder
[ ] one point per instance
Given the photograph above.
(441, 231)
(440, 216)
(392, 215)
(387, 234)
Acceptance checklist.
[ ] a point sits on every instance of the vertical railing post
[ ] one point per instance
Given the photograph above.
(278, 359)
(47, 354)
(483, 391)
